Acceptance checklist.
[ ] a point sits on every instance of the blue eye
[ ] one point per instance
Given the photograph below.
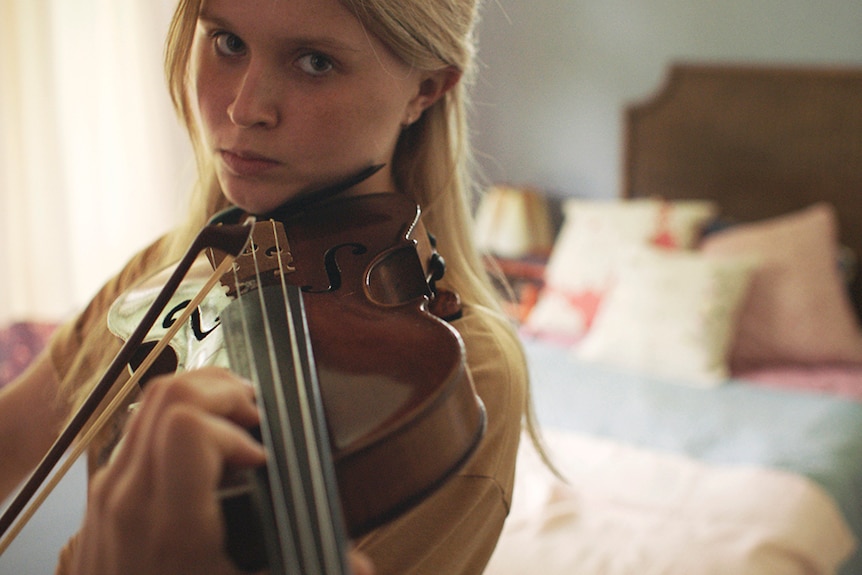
(228, 44)
(315, 64)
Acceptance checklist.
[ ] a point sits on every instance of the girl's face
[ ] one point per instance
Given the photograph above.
(294, 95)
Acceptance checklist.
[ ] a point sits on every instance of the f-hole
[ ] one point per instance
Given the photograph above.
(333, 270)
(197, 328)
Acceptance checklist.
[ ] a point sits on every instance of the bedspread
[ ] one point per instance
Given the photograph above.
(627, 510)
(815, 436)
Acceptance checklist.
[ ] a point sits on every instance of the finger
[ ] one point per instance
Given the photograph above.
(191, 450)
(175, 497)
(216, 390)
(190, 453)
(360, 563)
(152, 438)
(213, 390)
(180, 462)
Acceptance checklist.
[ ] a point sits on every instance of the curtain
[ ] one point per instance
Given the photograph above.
(93, 163)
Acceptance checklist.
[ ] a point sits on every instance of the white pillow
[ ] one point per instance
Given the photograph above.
(585, 258)
(671, 314)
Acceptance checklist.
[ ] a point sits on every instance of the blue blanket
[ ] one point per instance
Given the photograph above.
(811, 434)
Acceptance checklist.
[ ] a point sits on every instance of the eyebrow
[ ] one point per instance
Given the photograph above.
(325, 41)
(214, 21)
(204, 17)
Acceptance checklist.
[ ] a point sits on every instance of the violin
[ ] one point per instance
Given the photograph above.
(331, 309)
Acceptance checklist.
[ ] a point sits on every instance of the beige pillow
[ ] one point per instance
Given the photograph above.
(797, 310)
(672, 314)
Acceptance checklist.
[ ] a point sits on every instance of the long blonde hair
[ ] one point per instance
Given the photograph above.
(432, 162)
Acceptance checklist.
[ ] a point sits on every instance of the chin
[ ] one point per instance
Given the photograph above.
(255, 200)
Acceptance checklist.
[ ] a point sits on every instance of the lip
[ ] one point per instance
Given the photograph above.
(246, 163)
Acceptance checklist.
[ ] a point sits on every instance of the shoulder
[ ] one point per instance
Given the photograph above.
(495, 359)
(497, 367)
(491, 342)
(69, 339)
(453, 532)
(457, 527)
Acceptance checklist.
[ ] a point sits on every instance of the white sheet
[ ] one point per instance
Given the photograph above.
(631, 511)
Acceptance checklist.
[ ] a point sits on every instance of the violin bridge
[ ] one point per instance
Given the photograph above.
(263, 262)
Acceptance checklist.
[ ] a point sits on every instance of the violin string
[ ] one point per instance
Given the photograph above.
(278, 499)
(113, 406)
(331, 554)
(279, 508)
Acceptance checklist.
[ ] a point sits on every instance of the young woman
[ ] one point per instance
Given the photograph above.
(282, 98)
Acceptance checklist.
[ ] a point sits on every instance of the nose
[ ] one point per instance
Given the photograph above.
(256, 100)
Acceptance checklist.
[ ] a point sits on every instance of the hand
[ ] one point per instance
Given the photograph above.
(360, 564)
(154, 508)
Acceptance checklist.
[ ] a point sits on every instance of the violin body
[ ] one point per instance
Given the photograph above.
(366, 403)
(396, 408)
(392, 375)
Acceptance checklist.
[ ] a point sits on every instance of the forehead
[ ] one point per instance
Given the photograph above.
(287, 18)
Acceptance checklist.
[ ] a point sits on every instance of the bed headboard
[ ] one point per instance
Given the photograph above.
(761, 141)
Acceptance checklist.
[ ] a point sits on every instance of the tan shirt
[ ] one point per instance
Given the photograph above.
(455, 530)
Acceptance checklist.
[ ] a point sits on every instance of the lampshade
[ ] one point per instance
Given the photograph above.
(513, 222)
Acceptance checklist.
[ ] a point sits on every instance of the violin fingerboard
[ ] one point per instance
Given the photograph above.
(296, 495)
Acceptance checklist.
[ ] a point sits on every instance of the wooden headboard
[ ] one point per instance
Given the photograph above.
(760, 141)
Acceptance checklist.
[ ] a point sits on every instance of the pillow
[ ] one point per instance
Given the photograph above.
(798, 310)
(672, 315)
(843, 381)
(584, 260)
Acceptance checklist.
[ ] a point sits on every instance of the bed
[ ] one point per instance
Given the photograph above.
(685, 448)
(695, 352)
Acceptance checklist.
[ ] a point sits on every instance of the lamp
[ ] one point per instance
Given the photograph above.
(514, 222)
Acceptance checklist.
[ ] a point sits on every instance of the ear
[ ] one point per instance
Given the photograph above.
(432, 87)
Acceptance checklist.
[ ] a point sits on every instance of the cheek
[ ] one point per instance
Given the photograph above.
(376, 119)
(359, 126)
(210, 96)
(206, 103)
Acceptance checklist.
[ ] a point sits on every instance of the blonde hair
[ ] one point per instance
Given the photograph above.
(432, 163)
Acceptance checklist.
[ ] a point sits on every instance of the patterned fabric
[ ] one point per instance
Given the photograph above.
(586, 260)
(20, 343)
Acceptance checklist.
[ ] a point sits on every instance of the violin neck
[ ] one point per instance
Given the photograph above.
(296, 494)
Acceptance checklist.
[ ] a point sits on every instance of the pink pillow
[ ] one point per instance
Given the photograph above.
(844, 381)
(797, 310)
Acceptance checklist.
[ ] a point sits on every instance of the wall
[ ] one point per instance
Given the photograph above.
(555, 74)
